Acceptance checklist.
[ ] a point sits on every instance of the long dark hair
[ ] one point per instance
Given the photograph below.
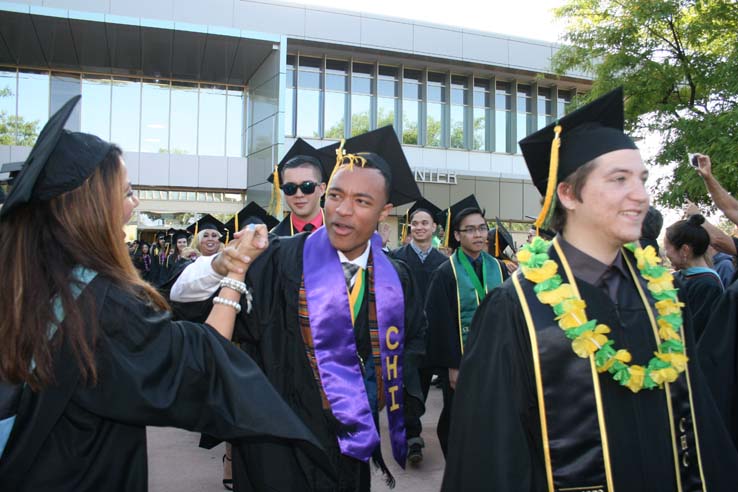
(41, 242)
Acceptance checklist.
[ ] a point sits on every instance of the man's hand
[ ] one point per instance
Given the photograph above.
(384, 232)
(453, 375)
(705, 166)
(248, 244)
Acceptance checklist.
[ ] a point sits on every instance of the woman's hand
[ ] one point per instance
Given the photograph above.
(236, 258)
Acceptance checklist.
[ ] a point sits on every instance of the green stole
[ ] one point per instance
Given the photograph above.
(469, 290)
(570, 403)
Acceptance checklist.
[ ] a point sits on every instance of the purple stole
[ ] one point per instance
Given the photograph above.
(336, 355)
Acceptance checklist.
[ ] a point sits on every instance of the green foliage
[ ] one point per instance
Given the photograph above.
(14, 130)
(678, 63)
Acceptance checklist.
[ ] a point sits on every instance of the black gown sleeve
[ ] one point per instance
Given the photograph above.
(415, 329)
(444, 346)
(155, 371)
(494, 441)
(717, 352)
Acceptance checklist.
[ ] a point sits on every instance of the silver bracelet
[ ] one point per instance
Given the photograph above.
(227, 302)
(233, 284)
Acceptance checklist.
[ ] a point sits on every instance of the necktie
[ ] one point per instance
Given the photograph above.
(349, 270)
(308, 228)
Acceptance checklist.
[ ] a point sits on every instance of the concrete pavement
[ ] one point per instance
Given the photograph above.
(177, 464)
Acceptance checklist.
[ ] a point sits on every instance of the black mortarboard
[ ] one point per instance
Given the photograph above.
(207, 221)
(448, 218)
(429, 207)
(540, 231)
(12, 169)
(161, 235)
(250, 214)
(584, 134)
(500, 238)
(179, 234)
(304, 152)
(383, 150)
(309, 153)
(60, 161)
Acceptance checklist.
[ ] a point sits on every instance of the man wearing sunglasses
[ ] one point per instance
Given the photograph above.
(456, 288)
(302, 180)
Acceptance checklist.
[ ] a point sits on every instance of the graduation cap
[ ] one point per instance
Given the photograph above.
(540, 231)
(303, 152)
(179, 234)
(448, 217)
(420, 205)
(501, 238)
(60, 161)
(207, 221)
(382, 150)
(559, 149)
(12, 169)
(250, 214)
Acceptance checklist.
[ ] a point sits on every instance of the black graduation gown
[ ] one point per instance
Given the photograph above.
(421, 271)
(151, 371)
(701, 292)
(271, 334)
(284, 228)
(718, 356)
(441, 307)
(495, 441)
(172, 273)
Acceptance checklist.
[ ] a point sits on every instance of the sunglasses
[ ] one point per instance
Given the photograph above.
(307, 187)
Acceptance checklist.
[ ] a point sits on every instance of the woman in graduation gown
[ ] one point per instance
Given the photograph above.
(90, 356)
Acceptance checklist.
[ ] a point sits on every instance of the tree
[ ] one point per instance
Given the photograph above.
(678, 63)
(14, 130)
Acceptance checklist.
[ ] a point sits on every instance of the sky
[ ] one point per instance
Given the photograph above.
(525, 18)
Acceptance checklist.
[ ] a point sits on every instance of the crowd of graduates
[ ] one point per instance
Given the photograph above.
(587, 358)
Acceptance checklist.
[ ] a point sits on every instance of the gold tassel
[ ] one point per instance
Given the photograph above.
(197, 227)
(553, 171)
(497, 241)
(236, 219)
(275, 206)
(228, 236)
(342, 158)
(404, 228)
(448, 228)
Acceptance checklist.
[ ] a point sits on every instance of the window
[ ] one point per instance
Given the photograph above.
(184, 119)
(545, 107)
(362, 76)
(63, 87)
(336, 87)
(289, 103)
(387, 92)
(563, 100)
(481, 114)
(525, 120)
(412, 98)
(459, 104)
(155, 117)
(8, 90)
(308, 97)
(234, 122)
(212, 120)
(33, 104)
(125, 113)
(96, 104)
(503, 117)
(434, 122)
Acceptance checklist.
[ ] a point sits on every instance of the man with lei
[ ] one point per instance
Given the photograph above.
(577, 373)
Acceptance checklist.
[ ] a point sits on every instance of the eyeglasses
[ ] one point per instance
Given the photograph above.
(482, 229)
(307, 187)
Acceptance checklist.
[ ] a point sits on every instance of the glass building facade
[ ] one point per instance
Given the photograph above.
(332, 99)
(140, 115)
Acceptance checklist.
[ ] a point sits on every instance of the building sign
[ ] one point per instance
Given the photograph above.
(440, 176)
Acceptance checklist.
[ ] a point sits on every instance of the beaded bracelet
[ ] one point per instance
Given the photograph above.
(227, 302)
(233, 284)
